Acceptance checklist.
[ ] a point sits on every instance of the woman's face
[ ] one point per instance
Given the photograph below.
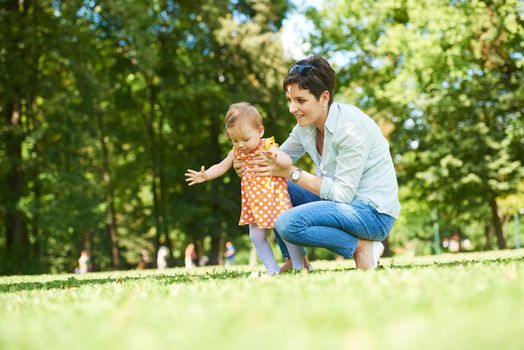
(245, 137)
(305, 107)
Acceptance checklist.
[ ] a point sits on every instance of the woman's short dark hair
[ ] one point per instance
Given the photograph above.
(313, 73)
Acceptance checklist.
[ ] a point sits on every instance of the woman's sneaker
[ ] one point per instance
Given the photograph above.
(378, 250)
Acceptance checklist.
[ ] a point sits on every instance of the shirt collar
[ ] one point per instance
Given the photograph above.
(331, 121)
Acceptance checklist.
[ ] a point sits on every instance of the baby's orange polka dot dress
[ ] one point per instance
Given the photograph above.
(263, 197)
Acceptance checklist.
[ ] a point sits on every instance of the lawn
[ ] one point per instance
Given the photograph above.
(461, 301)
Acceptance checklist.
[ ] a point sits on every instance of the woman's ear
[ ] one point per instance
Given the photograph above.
(324, 99)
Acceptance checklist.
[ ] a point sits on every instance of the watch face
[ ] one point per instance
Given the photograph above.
(295, 175)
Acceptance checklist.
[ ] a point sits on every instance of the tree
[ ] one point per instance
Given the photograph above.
(447, 76)
(104, 107)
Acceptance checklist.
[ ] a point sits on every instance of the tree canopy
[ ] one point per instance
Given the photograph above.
(444, 80)
(105, 104)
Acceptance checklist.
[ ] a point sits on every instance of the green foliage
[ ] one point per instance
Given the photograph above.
(106, 105)
(443, 80)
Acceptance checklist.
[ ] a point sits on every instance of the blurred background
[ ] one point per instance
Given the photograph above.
(105, 104)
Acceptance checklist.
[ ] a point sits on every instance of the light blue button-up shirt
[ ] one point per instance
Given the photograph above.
(355, 162)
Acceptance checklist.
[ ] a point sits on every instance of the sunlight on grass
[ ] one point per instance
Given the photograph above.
(468, 301)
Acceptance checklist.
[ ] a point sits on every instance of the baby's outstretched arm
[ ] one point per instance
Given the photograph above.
(194, 177)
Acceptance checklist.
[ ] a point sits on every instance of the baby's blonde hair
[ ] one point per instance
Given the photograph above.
(243, 112)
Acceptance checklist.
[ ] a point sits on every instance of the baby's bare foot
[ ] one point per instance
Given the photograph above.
(287, 265)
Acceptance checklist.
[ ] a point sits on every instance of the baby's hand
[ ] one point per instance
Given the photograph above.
(271, 155)
(195, 177)
(269, 143)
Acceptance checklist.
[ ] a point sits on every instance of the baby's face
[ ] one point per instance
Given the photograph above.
(245, 137)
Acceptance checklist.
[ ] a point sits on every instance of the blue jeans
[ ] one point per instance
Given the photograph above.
(332, 225)
(298, 197)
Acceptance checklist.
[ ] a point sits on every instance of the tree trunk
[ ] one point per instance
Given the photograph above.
(17, 240)
(152, 141)
(111, 213)
(216, 243)
(216, 228)
(162, 185)
(487, 233)
(199, 247)
(161, 234)
(113, 226)
(40, 250)
(497, 225)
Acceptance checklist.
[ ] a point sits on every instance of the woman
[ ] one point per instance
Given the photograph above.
(351, 203)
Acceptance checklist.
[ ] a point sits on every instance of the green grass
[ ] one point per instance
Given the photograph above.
(468, 301)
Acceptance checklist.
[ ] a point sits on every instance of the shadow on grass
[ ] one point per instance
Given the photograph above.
(73, 282)
(447, 264)
(440, 264)
(167, 279)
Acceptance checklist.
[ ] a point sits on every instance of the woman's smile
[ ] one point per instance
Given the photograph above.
(306, 108)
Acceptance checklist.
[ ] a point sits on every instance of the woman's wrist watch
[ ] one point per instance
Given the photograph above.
(295, 174)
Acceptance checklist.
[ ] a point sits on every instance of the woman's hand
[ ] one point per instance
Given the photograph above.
(238, 165)
(272, 163)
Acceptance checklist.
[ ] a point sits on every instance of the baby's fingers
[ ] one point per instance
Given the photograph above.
(270, 155)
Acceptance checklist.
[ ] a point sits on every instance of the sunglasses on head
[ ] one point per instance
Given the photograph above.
(301, 69)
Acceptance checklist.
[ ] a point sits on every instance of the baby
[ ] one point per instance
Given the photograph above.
(263, 197)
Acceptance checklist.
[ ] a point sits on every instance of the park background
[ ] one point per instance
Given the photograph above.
(105, 104)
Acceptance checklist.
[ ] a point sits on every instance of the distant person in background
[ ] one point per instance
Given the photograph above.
(161, 258)
(190, 256)
(84, 263)
(229, 254)
(203, 260)
(144, 260)
(466, 245)
(454, 243)
(445, 244)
